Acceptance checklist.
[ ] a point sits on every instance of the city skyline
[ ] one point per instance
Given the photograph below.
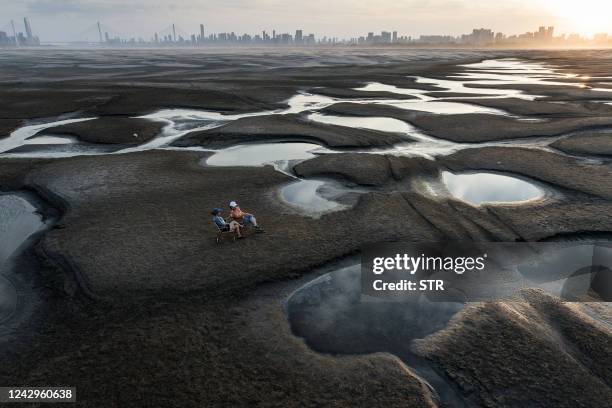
(173, 36)
(67, 20)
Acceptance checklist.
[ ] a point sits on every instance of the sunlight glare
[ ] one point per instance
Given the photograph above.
(586, 17)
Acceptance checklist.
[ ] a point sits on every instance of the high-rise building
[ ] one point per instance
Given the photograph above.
(15, 34)
(99, 32)
(298, 36)
(28, 29)
(29, 38)
(201, 32)
(395, 36)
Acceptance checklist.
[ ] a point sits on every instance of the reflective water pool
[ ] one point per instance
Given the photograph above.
(305, 195)
(479, 188)
(264, 153)
(441, 107)
(511, 65)
(19, 136)
(17, 222)
(8, 299)
(50, 140)
(333, 317)
(445, 85)
(374, 123)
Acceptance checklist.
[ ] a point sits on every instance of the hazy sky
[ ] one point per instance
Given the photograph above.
(59, 20)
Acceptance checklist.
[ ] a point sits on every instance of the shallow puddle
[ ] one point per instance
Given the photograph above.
(305, 195)
(8, 299)
(379, 87)
(18, 222)
(333, 317)
(18, 137)
(463, 87)
(441, 107)
(373, 123)
(308, 102)
(488, 73)
(425, 99)
(50, 140)
(511, 65)
(263, 153)
(427, 146)
(479, 188)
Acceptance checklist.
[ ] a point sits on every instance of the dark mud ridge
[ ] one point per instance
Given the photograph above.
(474, 127)
(110, 130)
(289, 127)
(451, 348)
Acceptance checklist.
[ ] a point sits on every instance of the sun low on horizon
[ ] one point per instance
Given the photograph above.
(585, 17)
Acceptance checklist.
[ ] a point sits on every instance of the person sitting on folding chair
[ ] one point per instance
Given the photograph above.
(245, 219)
(223, 225)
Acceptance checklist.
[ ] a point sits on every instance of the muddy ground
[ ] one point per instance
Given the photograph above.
(142, 308)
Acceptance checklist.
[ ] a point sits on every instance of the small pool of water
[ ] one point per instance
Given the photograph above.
(50, 140)
(373, 123)
(492, 79)
(333, 317)
(307, 197)
(61, 150)
(263, 153)
(511, 65)
(306, 101)
(19, 136)
(432, 104)
(444, 108)
(18, 221)
(428, 144)
(480, 188)
(8, 299)
(380, 87)
(459, 86)
(488, 73)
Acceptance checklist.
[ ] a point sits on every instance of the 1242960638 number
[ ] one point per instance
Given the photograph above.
(37, 394)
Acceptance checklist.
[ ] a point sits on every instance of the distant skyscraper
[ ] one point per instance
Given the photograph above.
(15, 34)
(201, 32)
(100, 32)
(28, 29)
(395, 36)
(298, 36)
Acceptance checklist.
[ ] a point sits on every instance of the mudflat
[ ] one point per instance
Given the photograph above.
(137, 297)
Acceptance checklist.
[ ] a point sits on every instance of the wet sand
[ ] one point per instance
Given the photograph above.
(148, 310)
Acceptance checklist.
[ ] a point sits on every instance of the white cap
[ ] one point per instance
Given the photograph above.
(233, 204)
